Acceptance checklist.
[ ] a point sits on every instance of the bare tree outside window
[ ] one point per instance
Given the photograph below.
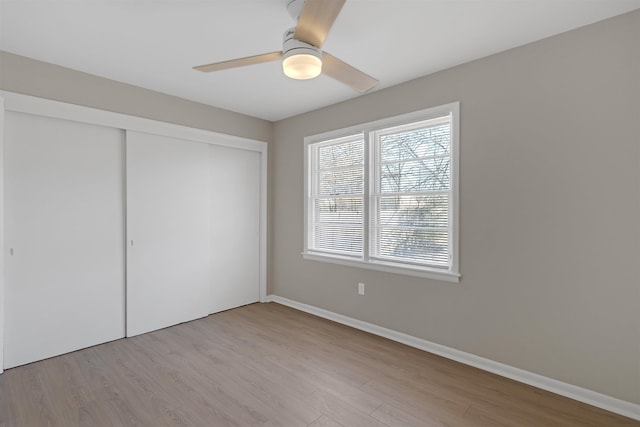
(412, 187)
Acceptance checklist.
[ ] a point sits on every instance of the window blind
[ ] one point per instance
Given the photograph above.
(337, 196)
(411, 193)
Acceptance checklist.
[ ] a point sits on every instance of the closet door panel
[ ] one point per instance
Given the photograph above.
(64, 241)
(235, 227)
(168, 268)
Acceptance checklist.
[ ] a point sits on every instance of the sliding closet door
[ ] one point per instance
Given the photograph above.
(168, 255)
(64, 248)
(235, 227)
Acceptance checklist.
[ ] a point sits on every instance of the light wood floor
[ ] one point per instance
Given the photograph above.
(269, 365)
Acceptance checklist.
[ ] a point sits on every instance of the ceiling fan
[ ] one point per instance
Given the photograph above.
(301, 55)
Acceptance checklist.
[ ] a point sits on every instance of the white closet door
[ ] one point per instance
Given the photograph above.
(235, 227)
(168, 267)
(64, 248)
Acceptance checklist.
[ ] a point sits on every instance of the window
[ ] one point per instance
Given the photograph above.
(384, 195)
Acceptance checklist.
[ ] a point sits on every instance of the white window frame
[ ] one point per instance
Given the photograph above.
(367, 131)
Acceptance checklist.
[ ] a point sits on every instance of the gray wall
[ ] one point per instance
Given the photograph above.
(550, 211)
(36, 78)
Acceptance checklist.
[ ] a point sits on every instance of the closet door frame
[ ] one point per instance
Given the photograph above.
(2, 110)
(11, 101)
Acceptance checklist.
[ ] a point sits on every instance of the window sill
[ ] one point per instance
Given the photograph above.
(425, 272)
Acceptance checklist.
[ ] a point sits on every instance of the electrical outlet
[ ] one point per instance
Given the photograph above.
(360, 288)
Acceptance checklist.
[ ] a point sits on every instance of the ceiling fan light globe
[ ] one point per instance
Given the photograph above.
(302, 66)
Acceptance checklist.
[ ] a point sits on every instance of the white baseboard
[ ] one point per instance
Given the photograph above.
(590, 397)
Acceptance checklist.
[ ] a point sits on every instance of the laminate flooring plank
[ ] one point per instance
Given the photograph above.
(339, 410)
(248, 392)
(510, 417)
(7, 405)
(396, 418)
(100, 414)
(64, 373)
(137, 400)
(320, 379)
(325, 421)
(427, 407)
(562, 410)
(326, 376)
(296, 343)
(276, 373)
(354, 396)
(154, 384)
(281, 398)
(502, 398)
(34, 406)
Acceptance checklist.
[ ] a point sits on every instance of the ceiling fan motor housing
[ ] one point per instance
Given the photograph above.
(293, 46)
(304, 53)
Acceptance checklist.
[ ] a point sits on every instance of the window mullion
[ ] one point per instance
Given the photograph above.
(373, 193)
(313, 190)
(366, 199)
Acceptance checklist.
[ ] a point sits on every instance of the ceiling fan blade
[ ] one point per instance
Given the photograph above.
(345, 73)
(240, 62)
(316, 19)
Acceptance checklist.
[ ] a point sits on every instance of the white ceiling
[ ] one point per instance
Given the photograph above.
(154, 43)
